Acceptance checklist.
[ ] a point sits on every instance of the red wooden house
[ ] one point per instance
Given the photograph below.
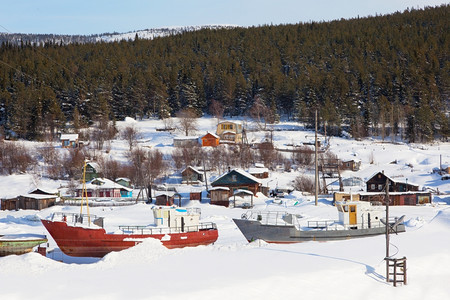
(210, 139)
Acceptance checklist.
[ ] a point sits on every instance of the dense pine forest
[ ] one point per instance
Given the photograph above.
(381, 75)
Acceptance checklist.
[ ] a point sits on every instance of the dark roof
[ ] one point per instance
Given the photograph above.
(242, 177)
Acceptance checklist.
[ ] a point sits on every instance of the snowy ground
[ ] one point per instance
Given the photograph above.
(232, 267)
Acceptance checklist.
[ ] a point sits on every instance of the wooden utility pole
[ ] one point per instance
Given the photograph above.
(316, 194)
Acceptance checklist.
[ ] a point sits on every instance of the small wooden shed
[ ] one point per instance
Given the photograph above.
(164, 198)
(210, 140)
(219, 195)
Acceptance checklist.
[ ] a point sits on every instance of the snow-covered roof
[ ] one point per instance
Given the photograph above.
(258, 170)
(105, 184)
(183, 138)
(39, 196)
(240, 191)
(213, 134)
(192, 168)
(394, 178)
(223, 188)
(69, 136)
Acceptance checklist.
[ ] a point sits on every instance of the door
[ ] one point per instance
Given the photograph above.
(352, 215)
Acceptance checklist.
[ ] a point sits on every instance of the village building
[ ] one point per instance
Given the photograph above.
(93, 170)
(191, 175)
(230, 132)
(350, 164)
(123, 181)
(220, 195)
(69, 140)
(397, 198)
(238, 179)
(37, 199)
(210, 140)
(104, 188)
(377, 182)
(259, 171)
(185, 141)
(164, 198)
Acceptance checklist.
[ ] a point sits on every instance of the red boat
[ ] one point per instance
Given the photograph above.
(76, 235)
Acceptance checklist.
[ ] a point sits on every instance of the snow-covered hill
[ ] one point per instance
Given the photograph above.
(38, 39)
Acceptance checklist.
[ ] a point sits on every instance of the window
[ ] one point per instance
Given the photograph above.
(372, 186)
(233, 178)
(380, 187)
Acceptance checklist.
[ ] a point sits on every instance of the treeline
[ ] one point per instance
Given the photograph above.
(382, 75)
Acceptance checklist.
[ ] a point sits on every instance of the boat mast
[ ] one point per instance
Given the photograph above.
(84, 195)
(316, 177)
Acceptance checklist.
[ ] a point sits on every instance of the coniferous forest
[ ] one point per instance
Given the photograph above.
(381, 75)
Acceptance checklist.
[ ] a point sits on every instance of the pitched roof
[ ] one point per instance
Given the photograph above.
(105, 184)
(221, 180)
(211, 134)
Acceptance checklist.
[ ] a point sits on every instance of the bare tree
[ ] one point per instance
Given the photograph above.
(261, 113)
(15, 157)
(131, 135)
(216, 109)
(304, 183)
(187, 121)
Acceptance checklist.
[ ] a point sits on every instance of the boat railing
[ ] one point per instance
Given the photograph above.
(335, 225)
(269, 217)
(77, 219)
(145, 230)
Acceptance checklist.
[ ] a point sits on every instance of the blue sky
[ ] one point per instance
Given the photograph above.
(100, 16)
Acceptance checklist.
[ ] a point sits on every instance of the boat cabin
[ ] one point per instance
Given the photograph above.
(358, 214)
(187, 219)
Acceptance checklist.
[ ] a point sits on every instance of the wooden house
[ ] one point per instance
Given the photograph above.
(9, 204)
(377, 182)
(259, 171)
(93, 170)
(230, 132)
(220, 195)
(123, 181)
(164, 198)
(210, 139)
(69, 140)
(397, 198)
(351, 164)
(37, 201)
(238, 179)
(191, 175)
(195, 194)
(185, 141)
(342, 196)
(105, 188)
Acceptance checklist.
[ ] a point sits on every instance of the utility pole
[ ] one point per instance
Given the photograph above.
(316, 177)
(386, 200)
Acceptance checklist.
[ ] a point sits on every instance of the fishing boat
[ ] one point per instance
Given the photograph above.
(20, 243)
(357, 219)
(175, 227)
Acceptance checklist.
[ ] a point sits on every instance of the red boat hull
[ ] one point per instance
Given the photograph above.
(95, 242)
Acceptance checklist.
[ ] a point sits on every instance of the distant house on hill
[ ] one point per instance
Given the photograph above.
(377, 182)
(230, 132)
(185, 141)
(191, 175)
(69, 140)
(210, 139)
(259, 171)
